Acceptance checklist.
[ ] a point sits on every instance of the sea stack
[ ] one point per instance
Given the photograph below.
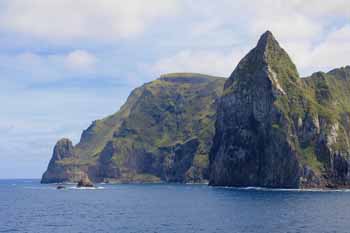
(274, 129)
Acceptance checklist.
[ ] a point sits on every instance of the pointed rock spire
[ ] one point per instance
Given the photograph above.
(267, 40)
(268, 55)
(247, 148)
(268, 48)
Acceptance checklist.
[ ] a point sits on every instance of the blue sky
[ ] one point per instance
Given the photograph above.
(66, 63)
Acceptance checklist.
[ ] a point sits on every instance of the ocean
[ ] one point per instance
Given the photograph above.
(28, 206)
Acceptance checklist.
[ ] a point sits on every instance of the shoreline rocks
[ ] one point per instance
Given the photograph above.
(85, 182)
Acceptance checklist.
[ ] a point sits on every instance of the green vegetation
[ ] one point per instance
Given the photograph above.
(187, 75)
(143, 137)
(309, 158)
(310, 111)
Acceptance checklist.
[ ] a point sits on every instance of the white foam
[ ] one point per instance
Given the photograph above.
(85, 188)
(285, 189)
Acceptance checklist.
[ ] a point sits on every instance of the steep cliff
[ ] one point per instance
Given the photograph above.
(274, 129)
(162, 133)
(61, 166)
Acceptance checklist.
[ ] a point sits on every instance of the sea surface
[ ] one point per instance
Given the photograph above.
(28, 206)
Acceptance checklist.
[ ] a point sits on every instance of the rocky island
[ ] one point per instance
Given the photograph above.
(263, 126)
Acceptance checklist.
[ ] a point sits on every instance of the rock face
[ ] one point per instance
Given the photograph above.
(163, 133)
(61, 167)
(276, 130)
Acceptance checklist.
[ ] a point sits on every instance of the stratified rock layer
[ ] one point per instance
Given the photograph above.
(276, 130)
(163, 133)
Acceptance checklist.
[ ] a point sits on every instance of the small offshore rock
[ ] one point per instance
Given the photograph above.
(85, 182)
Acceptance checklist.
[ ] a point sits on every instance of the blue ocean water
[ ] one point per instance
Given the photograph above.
(27, 206)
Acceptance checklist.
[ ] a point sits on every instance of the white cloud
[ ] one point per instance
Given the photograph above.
(322, 8)
(82, 19)
(80, 60)
(35, 67)
(332, 52)
(299, 26)
(207, 62)
(303, 28)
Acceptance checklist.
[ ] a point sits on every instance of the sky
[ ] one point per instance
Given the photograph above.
(66, 63)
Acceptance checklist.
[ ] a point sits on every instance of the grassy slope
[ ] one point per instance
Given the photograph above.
(322, 96)
(331, 95)
(158, 114)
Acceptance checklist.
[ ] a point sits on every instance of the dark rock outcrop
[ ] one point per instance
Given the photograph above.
(85, 182)
(274, 129)
(178, 160)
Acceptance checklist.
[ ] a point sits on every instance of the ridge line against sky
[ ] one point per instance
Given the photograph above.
(66, 63)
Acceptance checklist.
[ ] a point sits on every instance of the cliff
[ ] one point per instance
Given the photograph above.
(163, 133)
(274, 129)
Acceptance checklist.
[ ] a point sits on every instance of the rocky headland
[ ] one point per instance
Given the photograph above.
(263, 126)
(163, 133)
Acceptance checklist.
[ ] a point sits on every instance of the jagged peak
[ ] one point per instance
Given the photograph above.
(268, 56)
(342, 72)
(267, 51)
(63, 149)
(64, 141)
(267, 40)
(343, 68)
(268, 48)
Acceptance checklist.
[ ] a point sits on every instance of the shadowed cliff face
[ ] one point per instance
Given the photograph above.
(247, 150)
(271, 129)
(162, 133)
(58, 169)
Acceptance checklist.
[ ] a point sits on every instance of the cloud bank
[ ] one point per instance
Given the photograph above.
(82, 19)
